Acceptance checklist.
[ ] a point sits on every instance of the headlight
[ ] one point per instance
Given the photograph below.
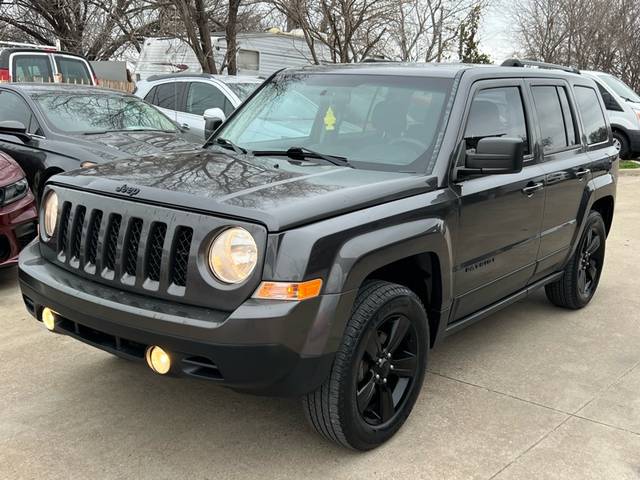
(233, 255)
(13, 192)
(50, 213)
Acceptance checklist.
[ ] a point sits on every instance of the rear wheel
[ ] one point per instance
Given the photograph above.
(582, 274)
(378, 370)
(621, 143)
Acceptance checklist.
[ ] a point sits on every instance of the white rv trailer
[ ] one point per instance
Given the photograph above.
(259, 54)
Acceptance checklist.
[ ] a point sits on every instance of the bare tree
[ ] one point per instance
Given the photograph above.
(350, 29)
(94, 28)
(588, 34)
(426, 30)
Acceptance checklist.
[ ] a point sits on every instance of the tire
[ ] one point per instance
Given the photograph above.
(343, 409)
(623, 141)
(582, 274)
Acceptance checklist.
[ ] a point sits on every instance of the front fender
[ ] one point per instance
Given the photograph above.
(345, 250)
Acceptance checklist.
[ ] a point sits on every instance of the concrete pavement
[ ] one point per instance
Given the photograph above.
(533, 392)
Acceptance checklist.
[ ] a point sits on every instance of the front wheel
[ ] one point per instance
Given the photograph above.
(582, 274)
(377, 372)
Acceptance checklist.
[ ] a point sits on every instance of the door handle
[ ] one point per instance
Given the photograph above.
(185, 126)
(532, 188)
(580, 174)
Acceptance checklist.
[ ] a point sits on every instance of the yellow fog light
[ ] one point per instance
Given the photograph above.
(48, 317)
(158, 360)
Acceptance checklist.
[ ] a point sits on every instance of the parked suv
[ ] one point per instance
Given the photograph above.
(338, 225)
(26, 63)
(189, 98)
(623, 108)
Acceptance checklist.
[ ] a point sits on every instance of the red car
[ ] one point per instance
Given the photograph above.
(18, 214)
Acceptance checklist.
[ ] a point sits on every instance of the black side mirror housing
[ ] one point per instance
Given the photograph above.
(17, 129)
(494, 155)
(213, 118)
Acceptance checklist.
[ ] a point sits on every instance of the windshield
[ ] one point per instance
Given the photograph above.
(243, 90)
(621, 88)
(99, 112)
(374, 121)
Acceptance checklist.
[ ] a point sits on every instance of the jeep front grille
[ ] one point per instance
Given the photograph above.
(114, 251)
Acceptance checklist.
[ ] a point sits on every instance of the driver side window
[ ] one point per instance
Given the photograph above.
(496, 112)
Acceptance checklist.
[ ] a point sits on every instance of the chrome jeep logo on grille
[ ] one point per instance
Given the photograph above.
(131, 191)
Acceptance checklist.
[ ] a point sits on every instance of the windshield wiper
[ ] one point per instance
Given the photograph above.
(223, 142)
(304, 153)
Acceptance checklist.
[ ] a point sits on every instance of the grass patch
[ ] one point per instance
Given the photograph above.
(629, 164)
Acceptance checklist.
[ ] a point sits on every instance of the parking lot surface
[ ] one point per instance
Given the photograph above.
(534, 392)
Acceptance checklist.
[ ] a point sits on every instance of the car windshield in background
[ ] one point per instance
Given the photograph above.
(620, 88)
(100, 112)
(243, 90)
(374, 121)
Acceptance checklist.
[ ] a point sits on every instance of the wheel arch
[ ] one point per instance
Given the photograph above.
(605, 206)
(41, 179)
(422, 274)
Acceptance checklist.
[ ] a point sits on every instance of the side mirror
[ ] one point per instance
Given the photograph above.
(495, 155)
(213, 118)
(17, 129)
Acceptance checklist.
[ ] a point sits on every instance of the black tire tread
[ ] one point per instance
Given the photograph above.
(322, 406)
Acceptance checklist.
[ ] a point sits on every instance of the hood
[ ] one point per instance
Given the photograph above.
(110, 146)
(10, 172)
(272, 191)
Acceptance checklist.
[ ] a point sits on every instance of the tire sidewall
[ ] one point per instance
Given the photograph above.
(360, 434)
(624, 145)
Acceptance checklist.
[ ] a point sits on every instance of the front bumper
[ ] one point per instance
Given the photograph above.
(265, 347)
(18, 226)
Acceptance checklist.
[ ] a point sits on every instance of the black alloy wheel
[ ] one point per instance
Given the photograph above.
(378, 369)
(581, 276)
(591, 257)
(387, 369)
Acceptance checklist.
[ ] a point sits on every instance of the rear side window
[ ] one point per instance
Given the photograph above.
(151, 96)
(593, 121)
(547, 102)
(496, 112)
(203, 96)
(554, 116)
(167, 95)
(73, 70)
(32, 68)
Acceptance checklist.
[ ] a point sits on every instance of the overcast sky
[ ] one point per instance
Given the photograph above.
(496, 35)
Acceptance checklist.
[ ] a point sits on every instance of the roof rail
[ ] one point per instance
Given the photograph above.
(516, 62)
(27, 45)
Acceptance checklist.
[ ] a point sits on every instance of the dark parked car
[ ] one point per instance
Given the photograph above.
(50, 129)
(342, 221)
(18, 214)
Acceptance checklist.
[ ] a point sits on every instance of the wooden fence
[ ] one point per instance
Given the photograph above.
(127, 87)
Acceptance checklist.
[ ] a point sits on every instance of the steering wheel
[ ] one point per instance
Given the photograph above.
(412, 142)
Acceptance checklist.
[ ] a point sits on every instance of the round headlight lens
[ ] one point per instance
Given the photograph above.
(50, 213)
(233, 255)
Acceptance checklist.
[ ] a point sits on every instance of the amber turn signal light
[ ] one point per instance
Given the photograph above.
(289, 290)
